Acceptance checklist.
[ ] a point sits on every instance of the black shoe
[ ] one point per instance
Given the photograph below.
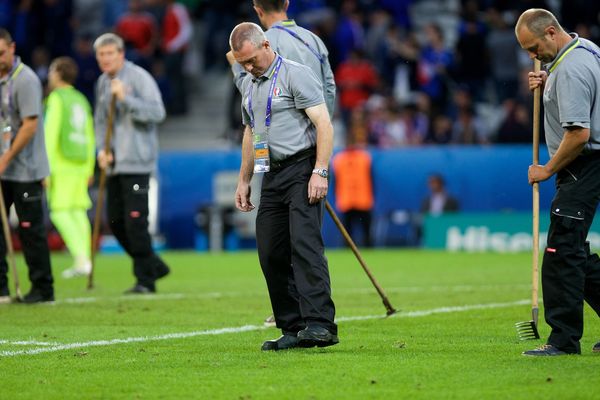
(545, 350)
(596, 348)
(140, 289)
(161, 271)
(37, 297)
(283, 343)
(316, 336)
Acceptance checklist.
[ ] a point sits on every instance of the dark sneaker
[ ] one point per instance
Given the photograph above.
(37, 297)
(161, 271)
(316, 336)
(596, 348)
(283, 343)
(140, 289)
(544, 351)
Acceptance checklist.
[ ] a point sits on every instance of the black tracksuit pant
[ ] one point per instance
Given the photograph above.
(28, 201)
(570, 274)
(127, 203)
(291, 250)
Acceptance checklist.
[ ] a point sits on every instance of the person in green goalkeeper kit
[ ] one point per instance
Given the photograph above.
(70, 145)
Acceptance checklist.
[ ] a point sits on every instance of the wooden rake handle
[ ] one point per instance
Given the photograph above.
(386, 302)
(536, 200)
(9, 245)
(101, 189)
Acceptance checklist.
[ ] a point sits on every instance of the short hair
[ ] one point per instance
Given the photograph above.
(246, 32)
(66, 68)
(438, 178)
(271, 5)
(5, 35)
(537, 20)
(108, 39)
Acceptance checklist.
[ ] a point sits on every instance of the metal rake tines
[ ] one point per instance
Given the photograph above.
(527, 330)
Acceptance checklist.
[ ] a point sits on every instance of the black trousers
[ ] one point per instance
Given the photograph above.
(27, 198)
(361, 218)
(570, 274)
(127, 203)
(291, 250)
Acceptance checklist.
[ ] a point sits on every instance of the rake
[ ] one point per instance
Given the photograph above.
(527, 330)
(9, 248)
(390, 310)
(101, 189)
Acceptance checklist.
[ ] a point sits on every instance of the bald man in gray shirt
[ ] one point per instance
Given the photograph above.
(289, 137)
(571, 87)
(294, 43)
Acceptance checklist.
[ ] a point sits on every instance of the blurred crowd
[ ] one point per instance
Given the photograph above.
(409, 72)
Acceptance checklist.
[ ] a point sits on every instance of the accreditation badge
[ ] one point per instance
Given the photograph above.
(261, 153)
(6, 132)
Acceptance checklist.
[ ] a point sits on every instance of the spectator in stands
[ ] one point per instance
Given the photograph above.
(176, 38)
(138, 28)
(88, 17)
(440, 131)
(501, 46)
(516, 126)
(471, 53)
(438, 201)
(354, 184)
(356, 79)
(349, 34)
(468, 128)
(433, 66)
(85, 58)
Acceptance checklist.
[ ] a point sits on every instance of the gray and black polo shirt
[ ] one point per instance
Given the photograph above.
(297, 88)
(21, 97)
(571, 93)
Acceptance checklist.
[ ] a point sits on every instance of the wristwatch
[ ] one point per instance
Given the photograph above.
(321, 172)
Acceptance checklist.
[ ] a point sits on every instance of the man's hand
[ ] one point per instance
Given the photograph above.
(537, 173)
(117, 88)
(3, 163)
(104, 159)
(317, 188)
(242, 197)
(537, 80)
(230, 57)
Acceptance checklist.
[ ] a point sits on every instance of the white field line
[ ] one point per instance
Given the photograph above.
(216, 295)
(248, 328)
(28, 343)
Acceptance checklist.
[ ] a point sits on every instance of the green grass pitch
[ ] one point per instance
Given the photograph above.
(200, 336)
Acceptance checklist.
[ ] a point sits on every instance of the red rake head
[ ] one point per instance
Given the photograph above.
(527, 330)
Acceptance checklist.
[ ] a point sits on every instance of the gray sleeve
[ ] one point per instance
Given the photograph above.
(239, 73)
(306, 88)
(100, 116)
(243, 90)
(329, 87)
(575, 92)
(29, 97)
(145, 102)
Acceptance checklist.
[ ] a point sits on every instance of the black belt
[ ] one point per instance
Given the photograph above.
(293, 159)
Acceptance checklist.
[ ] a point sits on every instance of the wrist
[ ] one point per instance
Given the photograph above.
(322, 172)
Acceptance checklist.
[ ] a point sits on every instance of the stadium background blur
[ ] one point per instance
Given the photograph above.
(431, 86)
